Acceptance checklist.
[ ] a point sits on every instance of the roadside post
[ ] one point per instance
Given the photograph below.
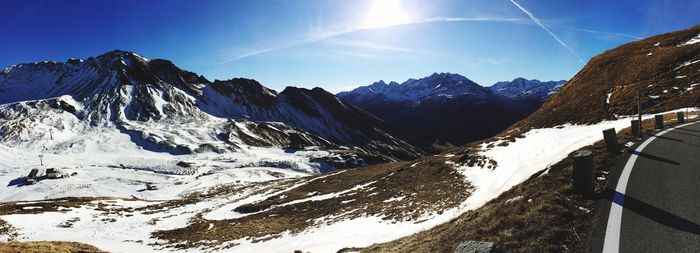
(659, 120)
(583, 172)
(611, 143)
(680, 116)
(635, 128)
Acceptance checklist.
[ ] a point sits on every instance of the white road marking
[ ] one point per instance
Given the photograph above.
(612, 232)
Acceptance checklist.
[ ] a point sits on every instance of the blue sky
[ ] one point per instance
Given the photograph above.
(340, 44)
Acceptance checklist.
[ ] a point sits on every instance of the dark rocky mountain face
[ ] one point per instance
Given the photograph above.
(129, 92)
(665, 67)
(449, 108)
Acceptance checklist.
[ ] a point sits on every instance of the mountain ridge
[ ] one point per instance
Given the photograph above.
(468, 111)
(662, 66)
(127, 91)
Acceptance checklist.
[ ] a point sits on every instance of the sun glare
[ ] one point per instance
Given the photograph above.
(385, 13)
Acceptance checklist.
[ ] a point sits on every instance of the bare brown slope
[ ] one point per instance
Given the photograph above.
(44, 247)
(658, 68)
(543, 214)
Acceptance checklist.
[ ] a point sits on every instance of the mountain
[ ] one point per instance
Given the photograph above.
(509, 189)
(665, 68)
(523, 89)
(450, 108)
(413, 91)
(166, 109)
(528, 94)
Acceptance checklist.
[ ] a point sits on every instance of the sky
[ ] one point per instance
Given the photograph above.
(341, 44)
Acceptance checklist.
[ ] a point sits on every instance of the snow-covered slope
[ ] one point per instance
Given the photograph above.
(165, 109)
(323, 213)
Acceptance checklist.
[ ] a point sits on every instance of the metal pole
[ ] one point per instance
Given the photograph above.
(639, 108)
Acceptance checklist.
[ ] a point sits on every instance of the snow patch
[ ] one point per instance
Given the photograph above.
(687, 63)
(692, 41)
(392, 199)
(514, 199)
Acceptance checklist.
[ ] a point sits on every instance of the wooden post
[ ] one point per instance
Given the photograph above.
(659, 120)
(611, 143)
(584, 183)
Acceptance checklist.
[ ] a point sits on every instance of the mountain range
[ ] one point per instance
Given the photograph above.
(155, 102)
(450, 108)
(511, 188)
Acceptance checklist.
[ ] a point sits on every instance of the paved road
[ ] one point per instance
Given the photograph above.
(656, 201)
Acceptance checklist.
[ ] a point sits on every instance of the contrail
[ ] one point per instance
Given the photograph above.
(537, 21)
(328, 35)
(608, 33)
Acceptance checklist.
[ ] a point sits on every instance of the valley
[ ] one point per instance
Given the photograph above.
(119, 152)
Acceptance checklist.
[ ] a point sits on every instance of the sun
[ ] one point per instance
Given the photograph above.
(385, 13)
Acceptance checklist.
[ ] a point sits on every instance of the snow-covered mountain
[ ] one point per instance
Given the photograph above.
(449, 108)
(483, 190)
(413, 91)
(524, 89)
(163, 108)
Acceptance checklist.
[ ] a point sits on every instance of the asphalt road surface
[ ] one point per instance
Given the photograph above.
(655, 205)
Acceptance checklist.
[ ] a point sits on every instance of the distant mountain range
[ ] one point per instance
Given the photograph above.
(141, 97)
(523, 89)
(450, 108)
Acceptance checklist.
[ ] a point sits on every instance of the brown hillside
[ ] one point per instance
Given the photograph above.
(658, 64)
(44, 247)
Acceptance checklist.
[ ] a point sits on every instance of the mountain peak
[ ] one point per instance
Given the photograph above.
(122, 55)
(435, 86)
(122, 90)
(521, 79)
(522, 88)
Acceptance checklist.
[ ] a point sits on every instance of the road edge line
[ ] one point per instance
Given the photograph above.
(612, 230)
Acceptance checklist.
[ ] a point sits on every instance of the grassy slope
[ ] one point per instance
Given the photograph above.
(46, 247)
(556, 220)
(621, 71)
